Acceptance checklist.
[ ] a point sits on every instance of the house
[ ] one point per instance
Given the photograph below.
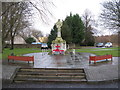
(19, 40)
(43, 39)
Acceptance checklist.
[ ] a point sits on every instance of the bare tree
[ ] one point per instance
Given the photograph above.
(111, 14)
(41, 6)
(26, 33)
(13, 20)
(14, 16)
(88, 23)
(37, 33)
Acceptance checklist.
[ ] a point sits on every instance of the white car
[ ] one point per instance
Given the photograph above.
(44, 46)
(100, 45)
(108, 44)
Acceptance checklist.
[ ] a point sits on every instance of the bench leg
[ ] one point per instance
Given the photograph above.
(33, 62)
(111, 59)
(89, 61)
(8, 60)
(106, 59)
(94, 62)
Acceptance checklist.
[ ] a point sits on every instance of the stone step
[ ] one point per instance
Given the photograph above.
(21, 80)
(50, 74)
(51, 68)
(52, 71)
(47, 77)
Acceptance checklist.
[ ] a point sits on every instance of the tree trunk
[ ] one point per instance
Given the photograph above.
(3, 45)
(12, 43)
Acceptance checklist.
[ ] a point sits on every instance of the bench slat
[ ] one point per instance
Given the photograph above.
(96, 58)
(21, 58)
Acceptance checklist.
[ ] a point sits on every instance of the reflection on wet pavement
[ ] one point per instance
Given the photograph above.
(80, 60)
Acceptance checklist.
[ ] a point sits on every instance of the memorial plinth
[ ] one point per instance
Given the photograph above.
(58, 41)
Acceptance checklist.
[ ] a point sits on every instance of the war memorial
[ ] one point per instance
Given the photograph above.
(58, 45)
(59, 67)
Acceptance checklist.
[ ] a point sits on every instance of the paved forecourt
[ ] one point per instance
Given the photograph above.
(101, 71)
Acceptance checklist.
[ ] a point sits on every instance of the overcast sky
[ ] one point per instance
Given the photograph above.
(64, 7)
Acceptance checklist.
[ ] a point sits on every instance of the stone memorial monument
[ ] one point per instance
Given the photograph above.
(58, 41)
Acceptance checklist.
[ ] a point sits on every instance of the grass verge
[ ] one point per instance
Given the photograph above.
(101, 51)
(19, 51)
(98, 51)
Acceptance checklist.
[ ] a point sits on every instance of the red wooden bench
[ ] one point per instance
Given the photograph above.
(21, 58)
(97, 58)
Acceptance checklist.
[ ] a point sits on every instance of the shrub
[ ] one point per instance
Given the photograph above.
(30, 40)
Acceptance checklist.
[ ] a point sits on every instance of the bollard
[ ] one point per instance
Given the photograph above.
(74, 51)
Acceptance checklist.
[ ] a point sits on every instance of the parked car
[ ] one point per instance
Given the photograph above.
(44, 46)
(36, 42)
(100, 45)
(108, 44)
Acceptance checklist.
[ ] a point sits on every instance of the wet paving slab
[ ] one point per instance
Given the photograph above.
(80, 60)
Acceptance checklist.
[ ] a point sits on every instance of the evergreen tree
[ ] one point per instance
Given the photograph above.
(30, 40)
(75, 29)
(66, 33)
(52, 36)
(72, 30)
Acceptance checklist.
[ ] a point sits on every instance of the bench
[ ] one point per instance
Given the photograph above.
(98, 58)
(21, 58)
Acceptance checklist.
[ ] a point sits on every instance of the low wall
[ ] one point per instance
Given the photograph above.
(26, 46)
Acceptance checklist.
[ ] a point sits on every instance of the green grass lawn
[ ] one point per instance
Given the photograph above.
(19, 51)
(98, 51)
(101, 51)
